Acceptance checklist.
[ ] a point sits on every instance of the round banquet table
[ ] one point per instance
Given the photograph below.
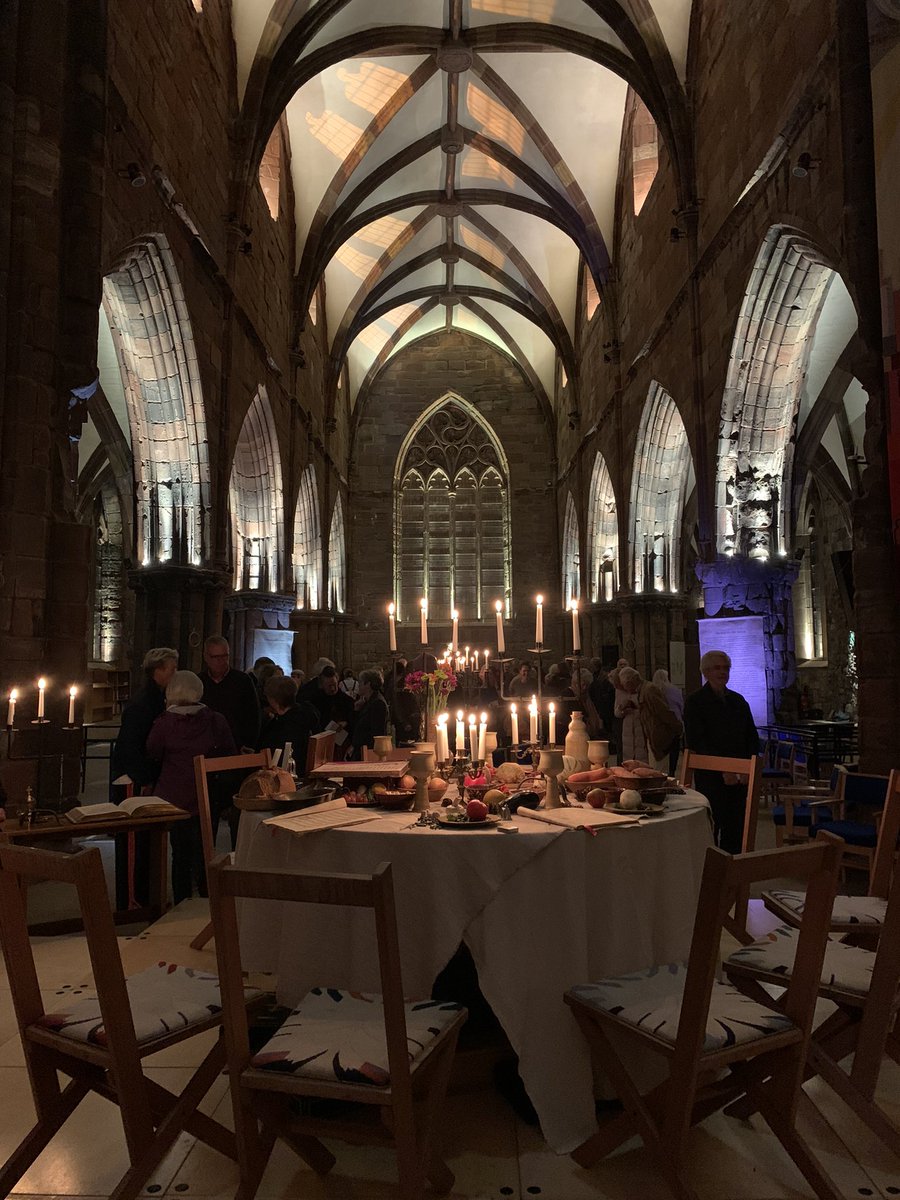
(540, 910)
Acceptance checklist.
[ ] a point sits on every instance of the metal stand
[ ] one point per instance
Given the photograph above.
(539, 651)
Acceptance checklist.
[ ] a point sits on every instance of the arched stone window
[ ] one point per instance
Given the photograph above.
(270, 172)
(158, 363)
(451, 499)
(307, 556)
(809, 590)
(337, 560)
(602, 535)
(255, 495)
(571, 555)
(644, 152)
(109, 577)
(769, 356)
(662, 479)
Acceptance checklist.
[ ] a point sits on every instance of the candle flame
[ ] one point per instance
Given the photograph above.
(42, 683)
(540, 600)
(455, 615)
(471, 718)
(460, 714)
(14, 695)
(484, 718)
(391, 609)
(512, 708)
(552, 707)
(73, 691)
(423, 604)
(574, 605)
(498, 604)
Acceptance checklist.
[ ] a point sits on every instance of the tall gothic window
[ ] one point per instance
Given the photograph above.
(571, 555)
(451, 498)
(337, 560)
(602, 535)
(809, 590)
(307, 556)
(255, 495)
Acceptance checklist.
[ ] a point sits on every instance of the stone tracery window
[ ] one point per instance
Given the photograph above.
(255, 497)
(644, 152)
(451, 498)
(571, 555)
(602, 535)
(809, 590)
(307, 554)
(337, 560)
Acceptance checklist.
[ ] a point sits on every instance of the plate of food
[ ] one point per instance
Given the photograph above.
(453, 820)
(644, 810)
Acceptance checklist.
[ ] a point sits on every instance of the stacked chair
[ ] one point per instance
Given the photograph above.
(778, 768)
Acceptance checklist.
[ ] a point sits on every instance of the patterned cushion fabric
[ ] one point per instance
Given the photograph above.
(854, 833)
(846, 968)
(652, 1000)
(164, 999)
(847, 910)
(339, 1037)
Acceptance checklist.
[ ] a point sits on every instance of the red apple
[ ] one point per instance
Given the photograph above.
(476, 810)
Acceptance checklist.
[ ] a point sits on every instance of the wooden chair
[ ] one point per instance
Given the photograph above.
(319, 751)
(402, 1052)
(203, 768)
(100, 1040)
(394, 755)
(703, 1027)
(864, 984)
(752, 769)
(778, 770)
(854, 914)
(803, 806)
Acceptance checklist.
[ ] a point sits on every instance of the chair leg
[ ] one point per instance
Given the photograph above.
(314, 1153)
(437, 1172)
(786, 1131)
(205, 935)
(34, 1143)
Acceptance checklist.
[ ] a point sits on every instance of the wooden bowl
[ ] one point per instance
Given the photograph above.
(397, 801)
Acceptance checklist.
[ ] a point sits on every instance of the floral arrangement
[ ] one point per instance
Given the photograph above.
(438, 683)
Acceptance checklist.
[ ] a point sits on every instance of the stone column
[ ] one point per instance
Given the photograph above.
(177, 606)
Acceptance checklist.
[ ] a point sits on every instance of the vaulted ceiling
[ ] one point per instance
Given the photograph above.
(455, 161)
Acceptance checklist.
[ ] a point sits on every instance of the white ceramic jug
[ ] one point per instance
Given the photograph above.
(577, 742)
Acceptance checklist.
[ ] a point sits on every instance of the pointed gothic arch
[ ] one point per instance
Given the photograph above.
(662, 478)
(451, 506)
(337, 559)
(256, 498)
(602, 535)
(307, 552)
(571, 555)
(157, 358)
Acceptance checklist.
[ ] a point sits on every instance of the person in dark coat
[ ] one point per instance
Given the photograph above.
(372, 713)
(131, 762)
(187, 728)
(293, 720)
(719, 721)
(233, 694)
(332, 705)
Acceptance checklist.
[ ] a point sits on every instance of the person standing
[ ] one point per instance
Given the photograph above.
(674, 698)
(292, 721)
(334, 707)
(719, 721)
(371, 713)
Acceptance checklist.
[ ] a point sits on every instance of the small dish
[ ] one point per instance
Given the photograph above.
(489, 822)
(644, 810)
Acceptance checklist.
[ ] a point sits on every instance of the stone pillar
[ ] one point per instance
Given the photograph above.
(177, 606)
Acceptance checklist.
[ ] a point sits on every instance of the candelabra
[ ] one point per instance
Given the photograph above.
(539, 651)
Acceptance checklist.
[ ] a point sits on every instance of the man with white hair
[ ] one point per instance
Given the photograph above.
(719, 721)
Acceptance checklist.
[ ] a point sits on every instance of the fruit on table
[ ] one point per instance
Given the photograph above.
(510, 772)
(436, 787)
(378, 789)
(407, 784)
(495, 796)
(630, 799)
(474, 781)
(476, 810)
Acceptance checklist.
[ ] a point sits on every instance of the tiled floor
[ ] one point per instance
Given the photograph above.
(491, 1151)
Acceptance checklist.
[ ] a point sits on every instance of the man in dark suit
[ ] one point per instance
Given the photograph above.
(719, 721)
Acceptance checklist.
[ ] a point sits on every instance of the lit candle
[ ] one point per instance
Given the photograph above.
(423, 623)
(473, 737)
(539, 622)
(11, 711)
(455, 639)
(501, 641)
(460, 732)
(443, 746)
(576, 631)
(532, 723)
(482, 736)
(42, 683)
(475, 656)
(392, 627)
(552, 723)
(73, 691)
(467, 658)
(514, 719)
(487, 655)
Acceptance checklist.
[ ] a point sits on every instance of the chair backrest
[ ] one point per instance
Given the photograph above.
(319, 751)
(376, 892)
(203, 768)
(750, 767)
(888, 833)
(394, 755)
(724, 877)
(83, 870)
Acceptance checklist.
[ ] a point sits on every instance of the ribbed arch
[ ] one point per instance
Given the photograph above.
(571, 555)
(307, 552)
(337, 559)
(155, 349)
(602, 534)
(662, 478)
(256, 499)
(769, 357)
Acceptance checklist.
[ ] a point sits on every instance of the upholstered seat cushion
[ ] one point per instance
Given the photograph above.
(854, 833)
(339, 1037)
(803, 815)
(845, 968)
(847, 910)
(164, 999)
(652, 1000)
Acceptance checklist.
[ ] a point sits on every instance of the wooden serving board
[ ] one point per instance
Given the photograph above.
(361, 770)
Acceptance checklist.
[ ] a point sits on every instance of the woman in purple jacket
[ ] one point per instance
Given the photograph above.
(185, 729)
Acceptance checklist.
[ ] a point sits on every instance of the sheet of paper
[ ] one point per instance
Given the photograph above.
(332, 814)
(577, 818)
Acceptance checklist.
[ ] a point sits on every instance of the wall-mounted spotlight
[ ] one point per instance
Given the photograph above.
(804, 164)
(133, 173)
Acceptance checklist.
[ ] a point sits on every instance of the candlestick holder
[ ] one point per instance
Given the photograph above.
(539, 651)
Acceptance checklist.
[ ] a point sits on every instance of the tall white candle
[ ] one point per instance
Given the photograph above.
(532, 723)
(392, 627)
(576, 630)
(475, 657)
(11, 710)
(42, 683)
(460, 732)
(473, 737)
(482, 735)
(501, 641)
(552, 723)
(539, 622)
(487, 655)
(73, 691)
(455, 639)
(423, 622)
(443, 746)
(514, 721)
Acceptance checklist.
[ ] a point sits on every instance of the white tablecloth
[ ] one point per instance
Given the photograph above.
(539, 910)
